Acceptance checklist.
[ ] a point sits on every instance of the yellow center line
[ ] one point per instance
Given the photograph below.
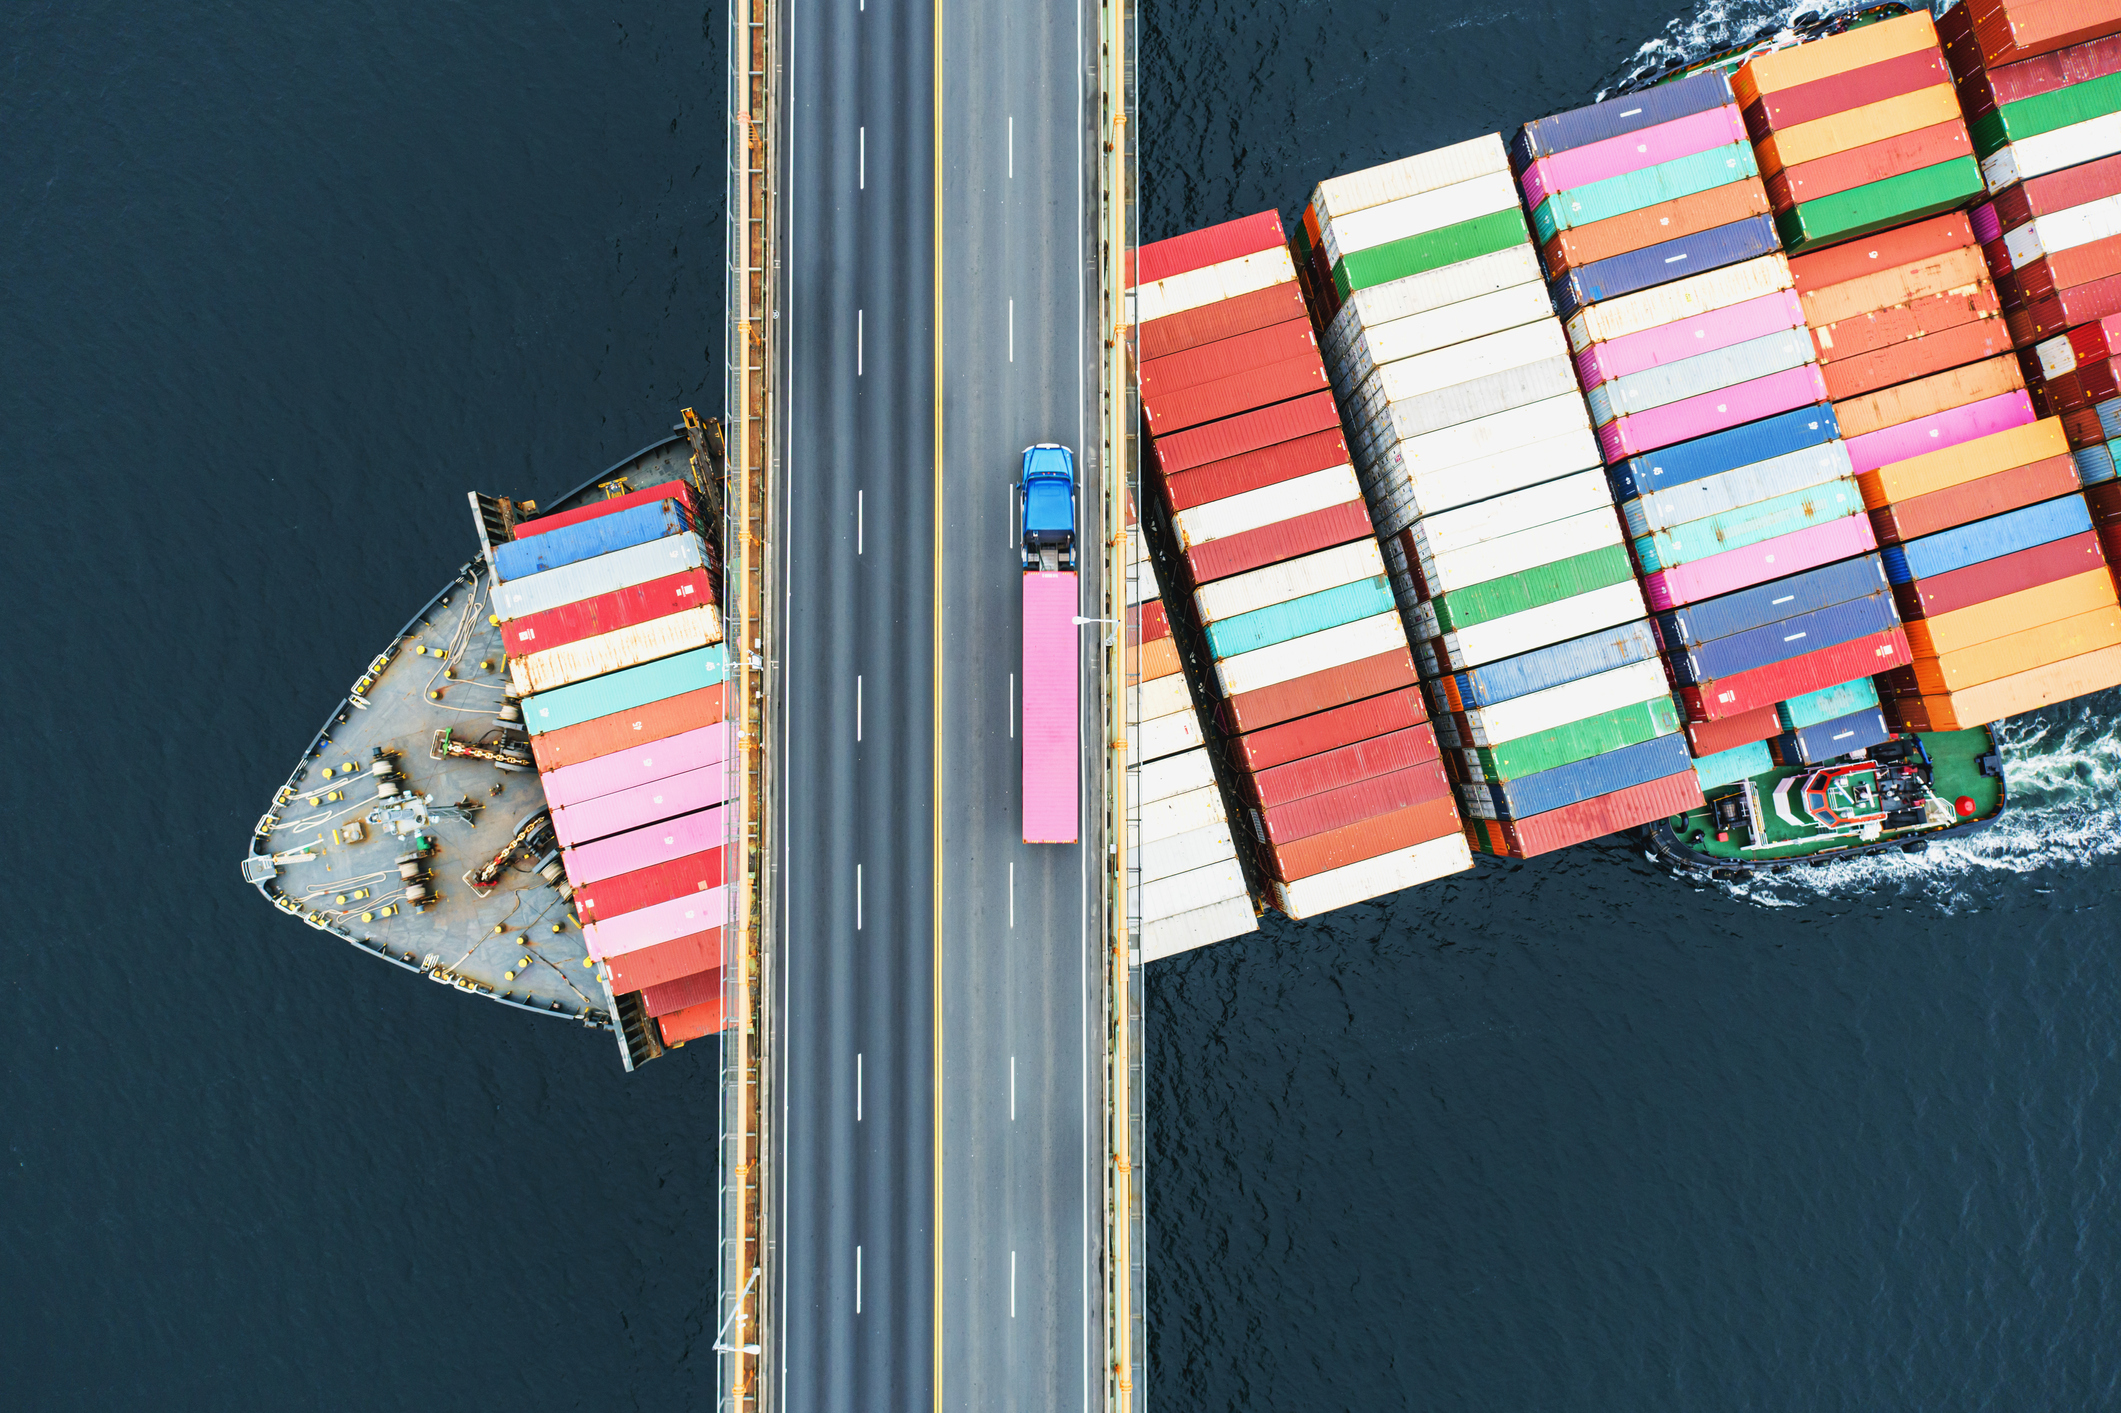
(935, 804)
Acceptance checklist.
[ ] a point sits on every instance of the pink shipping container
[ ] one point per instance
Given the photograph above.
(1668, 343)
(1052, 760)
(1693, 417)
(680, 917)
(640, 805)
(1950, 427)
(638, 848)
(659, 760)
(1756, 564)
(1631, 152)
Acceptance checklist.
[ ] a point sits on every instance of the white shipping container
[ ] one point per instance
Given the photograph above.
(2064, 230)
(1516, 633)
(1181, 814)
(1314, 652)
(1418, 214)
(1142, 585)
(1681, 299)
(1704, 373)
(1440, 328)
(1268, 505)
(1527, 549)
(2056, 356)
(622, 647)
(1153, 738)
(1535, 712)
(1483, 436)
(1195, 888)
(1370, 878)
(1482, 397)
(2052, 151)
(1747, 485)
(1492, 519)
(1431, 289)
(1196, 848)
(1160, 696)
(1462, 363)
(1290, 579)
(601, 574)
(1424, 171)
(1174, 775)
(1211, 284)
(1218, 922)
(1450, 487)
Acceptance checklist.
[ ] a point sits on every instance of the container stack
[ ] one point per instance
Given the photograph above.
(1275, 589)
(1858, 131)
(1481, 469)
(1741, 509)
(613, 636)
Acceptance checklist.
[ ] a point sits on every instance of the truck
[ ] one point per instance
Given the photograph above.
(1046, 539)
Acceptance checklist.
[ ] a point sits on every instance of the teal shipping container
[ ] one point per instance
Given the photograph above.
(1827, 703)
(1312, 613)
(622, 691)
(1747, 525)
(1648, 186)
(1731, 766)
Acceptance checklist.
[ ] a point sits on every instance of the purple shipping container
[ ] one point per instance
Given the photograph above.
(1579, 127)
(1710, 412)
(659, 922)
(1792, 637)
(1858, 731)
(1755, 564)
(640, 805)
(1669, 343)
(637, 765)
(1940, 430)
(1629, 152)
(1665, 261)
(641, 848)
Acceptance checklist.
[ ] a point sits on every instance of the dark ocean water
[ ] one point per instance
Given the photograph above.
(278, 286)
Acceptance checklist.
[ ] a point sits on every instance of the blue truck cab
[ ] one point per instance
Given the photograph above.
(1046, 507)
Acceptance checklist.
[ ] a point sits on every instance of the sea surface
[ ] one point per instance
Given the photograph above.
(278, 285)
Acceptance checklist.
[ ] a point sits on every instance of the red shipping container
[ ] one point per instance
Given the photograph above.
(1993, 578)
(1286, 539)
(1341, 765)
(1253, 388)
(1249, 431)
(1226, 358)
(2081, 426)
(700, 989)
(2105, 502)
(1322, 731)
(692, 1023)
(1284, 461)
(1351, 804)
(1983, 89)
(2079, 390)
(1975, 500)
(679, 491)
(1874, 161)
(1606, 814)
(1196, 250)
(665, 961)
(1999, 32)
(2036, 280)
(2098, 340)
(2058, 191)
(2078, 304)
(607, 613)
(1706, 738)
(1884, 328)
(1764, 686)
(1933, 353)
(645, 887)
(1366, 839)
(1317, 691)
(1224, 319)
(1153, 621)
(1837, 93)
(586, 740)
(1881, 250)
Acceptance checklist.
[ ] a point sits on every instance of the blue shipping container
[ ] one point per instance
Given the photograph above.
(1763, 480)
(1779, 642)
(1772, 602)
(1312, 613)
(623, 690)
(1667, 260)
(1703, 373)
(1580, 127)
(1998, 535)
(1563, 662)
(1588, 779)
(2094, 463)
(586, 540)
(1646, 186)
(1731, 766)
(1725, 451)
(1827, 703)
(1748, 525)
(2110, 418)
(1858, 731)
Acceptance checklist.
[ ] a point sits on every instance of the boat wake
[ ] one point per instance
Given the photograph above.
(1712, 27)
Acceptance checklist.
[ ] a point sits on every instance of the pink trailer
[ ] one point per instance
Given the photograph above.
(1631, 152)
(639, 848)
(1756, 564)
(1940, 430)
(639, 805)
(1668, 343)
(680, 917)
(1052, 759)
(1692, 417)
(637, 765)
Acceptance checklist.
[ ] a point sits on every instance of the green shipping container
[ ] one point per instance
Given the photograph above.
(1827, 703)
(1431, 250)
(1579, 740)
(2029, 117)
(1748, 525)
(1649, 186)
(1896, 200)
(1731, 766)
(1548, 583)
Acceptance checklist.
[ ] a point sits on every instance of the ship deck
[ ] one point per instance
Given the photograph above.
(515, 942)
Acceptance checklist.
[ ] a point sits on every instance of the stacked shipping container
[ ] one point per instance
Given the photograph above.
(1277, 582)
(1477, 457)
(608, 615)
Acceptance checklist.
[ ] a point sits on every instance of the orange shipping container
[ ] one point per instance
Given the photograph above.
(2019, 652)
(1668, 220)
(1881, 250)
(1968, 343)
(1822, 58)
(1982, 622)
(1838, 132)
(2022, 692)
(1882, 328)
(1926, 397)
(1960, 268)
(1968, 461)
(2010, 489)
(1365, 839)
(586, 740)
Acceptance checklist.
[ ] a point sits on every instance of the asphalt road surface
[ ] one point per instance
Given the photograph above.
(936, 1176)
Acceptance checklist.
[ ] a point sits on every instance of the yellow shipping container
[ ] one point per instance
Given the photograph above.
(1873, 122)
(1968, 461)
(2019, 652)
(2025, 691)
(1822, 58)
(1981, 622)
